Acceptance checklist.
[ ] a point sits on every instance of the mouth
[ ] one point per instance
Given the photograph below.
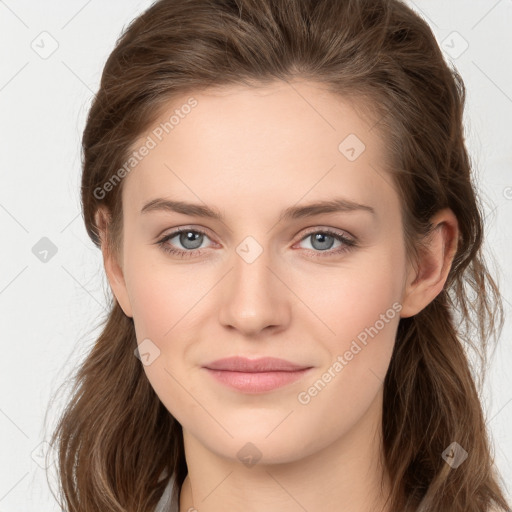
(255, 375)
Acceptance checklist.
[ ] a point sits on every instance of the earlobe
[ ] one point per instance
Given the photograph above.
(427, 279)
(113, 269)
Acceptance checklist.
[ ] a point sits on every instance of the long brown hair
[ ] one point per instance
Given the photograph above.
(117, 445)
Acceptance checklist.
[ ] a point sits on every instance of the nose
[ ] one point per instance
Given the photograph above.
(254, 296)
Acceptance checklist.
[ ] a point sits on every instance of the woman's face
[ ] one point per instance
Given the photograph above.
(271, 276)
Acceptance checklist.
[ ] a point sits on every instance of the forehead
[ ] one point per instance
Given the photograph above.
(266, 143)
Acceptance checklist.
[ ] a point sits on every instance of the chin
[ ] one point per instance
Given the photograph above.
(254, 445)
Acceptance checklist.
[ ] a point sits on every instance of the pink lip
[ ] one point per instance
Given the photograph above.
(255, 375)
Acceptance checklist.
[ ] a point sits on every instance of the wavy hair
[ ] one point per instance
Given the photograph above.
(118, 446)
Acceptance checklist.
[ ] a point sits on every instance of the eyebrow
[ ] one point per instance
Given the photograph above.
(293, 212)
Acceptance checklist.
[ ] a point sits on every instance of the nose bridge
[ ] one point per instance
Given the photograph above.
(252, 296)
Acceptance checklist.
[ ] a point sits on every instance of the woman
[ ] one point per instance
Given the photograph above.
(285, 207)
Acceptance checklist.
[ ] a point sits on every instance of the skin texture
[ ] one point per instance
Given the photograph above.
(251, 153)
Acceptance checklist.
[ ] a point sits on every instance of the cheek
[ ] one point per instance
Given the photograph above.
(364, 319)
(162, 298)
(356, 296)
(365, 325)
(362, 307)
(163, 312)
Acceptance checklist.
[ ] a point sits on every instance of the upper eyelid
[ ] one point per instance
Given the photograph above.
(337, 231)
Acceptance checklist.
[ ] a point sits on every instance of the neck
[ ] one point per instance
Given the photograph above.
(346, 475)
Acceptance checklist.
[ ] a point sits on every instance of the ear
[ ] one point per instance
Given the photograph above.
(112, 266)
(426, 280)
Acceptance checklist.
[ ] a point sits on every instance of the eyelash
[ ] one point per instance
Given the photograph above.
(348, 243)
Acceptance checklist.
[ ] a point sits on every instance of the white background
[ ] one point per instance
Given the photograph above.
(50, 311)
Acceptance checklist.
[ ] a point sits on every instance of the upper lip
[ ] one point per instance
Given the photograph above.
(263, 364)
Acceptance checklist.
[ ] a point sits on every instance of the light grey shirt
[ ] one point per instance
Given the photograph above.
(166, 504)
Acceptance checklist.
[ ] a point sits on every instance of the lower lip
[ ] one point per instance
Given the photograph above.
(256, 382)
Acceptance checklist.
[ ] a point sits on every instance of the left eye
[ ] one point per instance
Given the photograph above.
(192, 240)
(324, 240)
